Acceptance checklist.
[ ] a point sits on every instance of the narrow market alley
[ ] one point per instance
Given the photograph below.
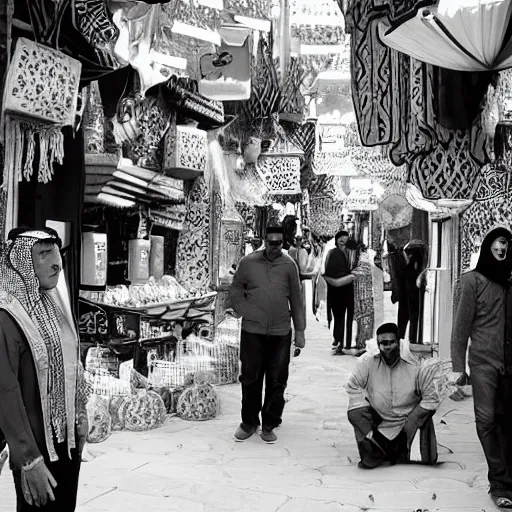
(189, 466)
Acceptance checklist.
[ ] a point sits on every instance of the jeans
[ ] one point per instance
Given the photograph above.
(66, 472)
(491, 392)
(264, 357)
(376, 451)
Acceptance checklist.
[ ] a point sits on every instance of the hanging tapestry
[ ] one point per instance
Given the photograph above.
(373, 67)
(94, 121)
(449, 171)
(193, 253)
(152, 117)
(494, 182)
(363, 301)
(326, 216)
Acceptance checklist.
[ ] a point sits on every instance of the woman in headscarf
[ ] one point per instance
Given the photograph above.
(340, 291)
(481, 316)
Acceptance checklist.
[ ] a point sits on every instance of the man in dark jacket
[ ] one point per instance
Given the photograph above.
(265, 287)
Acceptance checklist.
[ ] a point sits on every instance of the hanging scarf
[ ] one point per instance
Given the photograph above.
(494, 270)
(19, 280)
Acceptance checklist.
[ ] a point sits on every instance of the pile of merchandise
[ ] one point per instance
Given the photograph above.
(164, 290)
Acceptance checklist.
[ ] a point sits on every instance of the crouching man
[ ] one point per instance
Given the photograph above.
(390, 402)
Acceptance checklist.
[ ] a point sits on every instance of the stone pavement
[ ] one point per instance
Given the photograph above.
(189, 467)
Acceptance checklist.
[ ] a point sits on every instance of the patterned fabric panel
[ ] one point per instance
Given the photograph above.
(376, 102)
(193, 254)
(478, 219)
(326, 216)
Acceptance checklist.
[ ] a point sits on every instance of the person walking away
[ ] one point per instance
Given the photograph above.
(340, 292)
(42, 391)
(265, 287)
(392, 397)
(481, 315)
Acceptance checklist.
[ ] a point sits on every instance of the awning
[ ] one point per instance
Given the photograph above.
(463, 35)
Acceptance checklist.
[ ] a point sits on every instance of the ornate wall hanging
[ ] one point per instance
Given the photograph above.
(193, 254)
(185, 152)
(40, 96)
(280, 173)
(326, 216)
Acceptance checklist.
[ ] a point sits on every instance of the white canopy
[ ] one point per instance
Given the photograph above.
(463, 35)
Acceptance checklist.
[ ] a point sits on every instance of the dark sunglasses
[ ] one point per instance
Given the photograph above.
(275, 243)
(387, 343)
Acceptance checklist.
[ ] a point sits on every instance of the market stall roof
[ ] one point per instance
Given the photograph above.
(463, 35)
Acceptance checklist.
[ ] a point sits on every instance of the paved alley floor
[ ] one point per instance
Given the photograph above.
(196, 467)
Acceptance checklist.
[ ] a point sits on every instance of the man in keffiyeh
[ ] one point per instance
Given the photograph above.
(42, 390)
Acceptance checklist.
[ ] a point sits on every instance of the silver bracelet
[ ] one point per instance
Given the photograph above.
(27, 466)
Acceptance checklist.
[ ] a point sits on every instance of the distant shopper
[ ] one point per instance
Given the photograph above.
(42, 392)
(265, 287)
(340, 292)
(482, 316)
(390, 402)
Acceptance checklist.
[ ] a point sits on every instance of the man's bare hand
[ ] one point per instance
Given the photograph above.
(37, 484)
(300, 339)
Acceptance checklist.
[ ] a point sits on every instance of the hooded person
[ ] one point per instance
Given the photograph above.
(481, 315)
(42, 391)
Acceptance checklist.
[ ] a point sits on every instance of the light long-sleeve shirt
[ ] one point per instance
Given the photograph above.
(480, 316)
(392, 392)
(263, 292)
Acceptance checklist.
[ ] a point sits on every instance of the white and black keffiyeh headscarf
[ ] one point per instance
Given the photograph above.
(19, 279)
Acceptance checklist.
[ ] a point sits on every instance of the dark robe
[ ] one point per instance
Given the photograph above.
(21, 420)
(340, 300)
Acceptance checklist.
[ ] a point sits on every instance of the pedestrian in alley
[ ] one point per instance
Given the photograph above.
(42, 407)
(265, 288)
(340, 292)
(392, 399)
(484, 314)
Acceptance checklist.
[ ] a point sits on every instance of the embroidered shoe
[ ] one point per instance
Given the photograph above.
(268, 436)
(243, 433)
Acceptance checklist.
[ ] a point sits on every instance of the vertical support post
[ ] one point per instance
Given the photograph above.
(284, 39)
(6, 14)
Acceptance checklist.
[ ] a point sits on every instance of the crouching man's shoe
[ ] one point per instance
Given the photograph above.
(244, 432)
(268, 435)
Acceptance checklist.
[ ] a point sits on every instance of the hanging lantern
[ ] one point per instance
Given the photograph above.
(463, 35)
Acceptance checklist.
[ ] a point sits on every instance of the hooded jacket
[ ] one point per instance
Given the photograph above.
(481, 311)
